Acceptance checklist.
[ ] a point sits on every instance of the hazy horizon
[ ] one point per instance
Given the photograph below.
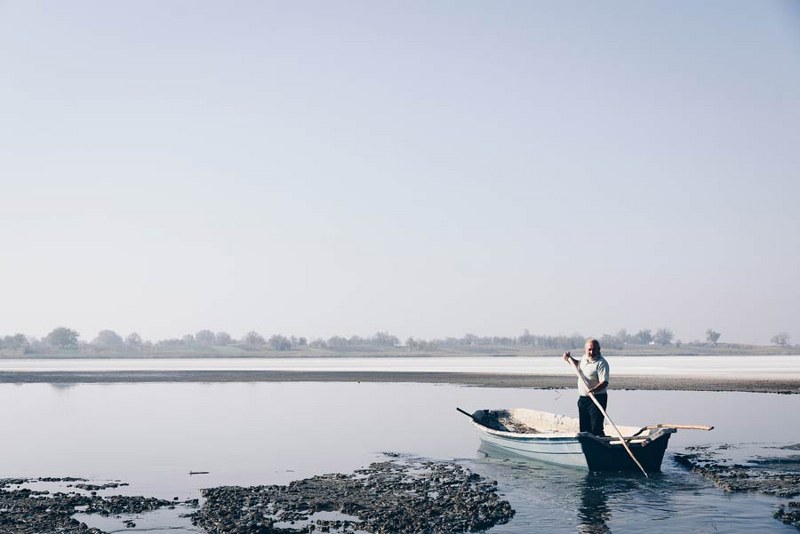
(106, 338)
(426, 169)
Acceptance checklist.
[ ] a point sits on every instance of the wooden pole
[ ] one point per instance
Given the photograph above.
(466, 413)
(577, 370)
(685, 427)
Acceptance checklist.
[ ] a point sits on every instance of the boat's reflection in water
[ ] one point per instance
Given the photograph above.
(587, 493)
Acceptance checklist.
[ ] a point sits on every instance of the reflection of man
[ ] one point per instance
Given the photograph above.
(593, 512)
(594, 369)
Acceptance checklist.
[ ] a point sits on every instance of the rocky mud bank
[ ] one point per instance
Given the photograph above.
(27, 511)
(777, 475)
(399, 495)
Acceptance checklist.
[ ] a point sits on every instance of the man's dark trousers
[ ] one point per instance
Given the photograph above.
(590, 416)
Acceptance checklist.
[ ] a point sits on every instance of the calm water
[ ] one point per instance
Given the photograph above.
(152, 435)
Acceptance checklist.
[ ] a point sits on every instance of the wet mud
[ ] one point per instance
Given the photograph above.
(399, 495)
(27, 511)
(777, 475)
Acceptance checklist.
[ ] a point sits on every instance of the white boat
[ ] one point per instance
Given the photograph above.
(556, 439)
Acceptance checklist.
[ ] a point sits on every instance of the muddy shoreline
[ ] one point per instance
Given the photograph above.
(778, 476)
(400, 494)
(669, 383)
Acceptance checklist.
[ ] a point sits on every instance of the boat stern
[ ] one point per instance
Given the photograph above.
(608, 454)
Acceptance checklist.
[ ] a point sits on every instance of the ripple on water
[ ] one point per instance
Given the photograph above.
(557, 500)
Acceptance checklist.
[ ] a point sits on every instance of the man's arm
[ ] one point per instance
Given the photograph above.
(599, 386)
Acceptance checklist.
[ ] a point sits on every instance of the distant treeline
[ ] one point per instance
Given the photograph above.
(66, 339)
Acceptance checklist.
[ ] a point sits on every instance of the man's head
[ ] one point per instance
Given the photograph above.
(592, 347)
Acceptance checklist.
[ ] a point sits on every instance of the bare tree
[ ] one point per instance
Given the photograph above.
(222, 339)
(278, 342)
(62, 338)
(108, 339)
(17, 342)
(712, 336)
(254, 340)
(663, 336)
(384, 339)
(642, 337)
(337, 342)
(205, 337)
(781, 339)
(134, 340)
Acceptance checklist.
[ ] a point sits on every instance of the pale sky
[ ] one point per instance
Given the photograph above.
(424, 168)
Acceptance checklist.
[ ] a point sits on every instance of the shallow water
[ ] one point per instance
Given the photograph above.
(153, 435)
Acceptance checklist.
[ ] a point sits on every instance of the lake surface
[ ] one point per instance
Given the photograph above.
(756, 367)
(153, 435)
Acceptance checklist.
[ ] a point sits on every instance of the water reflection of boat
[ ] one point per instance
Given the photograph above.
(556, 439)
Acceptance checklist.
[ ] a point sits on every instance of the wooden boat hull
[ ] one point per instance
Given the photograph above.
(553, 450)
(580, 449)
(603, 456)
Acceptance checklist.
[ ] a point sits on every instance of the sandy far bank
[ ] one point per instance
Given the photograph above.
(468, 379)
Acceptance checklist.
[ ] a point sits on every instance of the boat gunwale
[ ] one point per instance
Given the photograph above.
(635, 440)
(520, 436)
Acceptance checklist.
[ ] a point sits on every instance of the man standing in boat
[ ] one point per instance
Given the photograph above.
(594, 369)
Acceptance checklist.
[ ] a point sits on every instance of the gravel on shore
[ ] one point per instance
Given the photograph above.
(676, 383)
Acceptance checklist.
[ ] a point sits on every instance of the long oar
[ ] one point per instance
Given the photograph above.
(676, 427)
(577, 370)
